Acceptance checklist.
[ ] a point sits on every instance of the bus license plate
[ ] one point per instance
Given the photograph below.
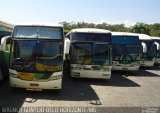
(124, 68)
(34, 84)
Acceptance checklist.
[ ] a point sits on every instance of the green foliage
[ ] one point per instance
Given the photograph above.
(119, 27)
(150, 29)
(140, 28)
(155, 29)
(72, 25)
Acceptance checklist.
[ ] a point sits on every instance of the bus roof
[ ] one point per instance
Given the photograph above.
(4, 24)
(141, 36)
(89, 30)
(90, 35)
(124, 34)
(144, 37)
(40, 24)
(156, 38)
(124, 38)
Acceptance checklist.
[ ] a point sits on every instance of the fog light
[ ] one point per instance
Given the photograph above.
(56, 77)
(13, 75)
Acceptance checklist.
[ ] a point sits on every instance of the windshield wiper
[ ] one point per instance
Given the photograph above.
(54, 57)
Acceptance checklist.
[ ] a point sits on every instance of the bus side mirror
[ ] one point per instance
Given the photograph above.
(157, 45)
(66, 46)
(3, 42)
(144, 46)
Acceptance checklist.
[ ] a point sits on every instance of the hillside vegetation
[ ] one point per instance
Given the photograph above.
(150, 29)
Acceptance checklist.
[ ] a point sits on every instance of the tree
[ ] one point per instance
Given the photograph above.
(151, 29)
(155, 29)
(140, 28)
(91, 25)
(119, 27)
(102, 26)
(66, 25)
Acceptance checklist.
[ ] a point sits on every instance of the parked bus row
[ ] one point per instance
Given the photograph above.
(94, 52)
(37, 55)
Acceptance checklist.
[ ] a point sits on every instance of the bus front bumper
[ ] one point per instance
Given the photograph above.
(52, 84)
(97, 74)
(157, 61)
(125, 68)
(147, 63)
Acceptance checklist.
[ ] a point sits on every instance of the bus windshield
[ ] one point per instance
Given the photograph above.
(125, 52)
(151, 50)
(35, 55)
(37, 32)
(90, 54)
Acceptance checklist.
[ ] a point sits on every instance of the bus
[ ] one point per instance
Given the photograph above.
(157, 43)
(90, 53)
(5, 30)
(5, 55)
(36, 57)
(125, 51)
(148, 50)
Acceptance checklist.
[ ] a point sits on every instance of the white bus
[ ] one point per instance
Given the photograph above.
(36, 56)
(157, 43)
(125, 51)
(148, 51)
(90, 53)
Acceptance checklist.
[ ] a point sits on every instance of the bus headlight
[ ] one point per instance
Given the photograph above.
(135, 64)
(106, 68)
(13, 75)
(56, 77)
(115, 62)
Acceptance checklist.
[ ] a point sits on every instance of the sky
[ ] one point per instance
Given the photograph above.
(127, 12)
